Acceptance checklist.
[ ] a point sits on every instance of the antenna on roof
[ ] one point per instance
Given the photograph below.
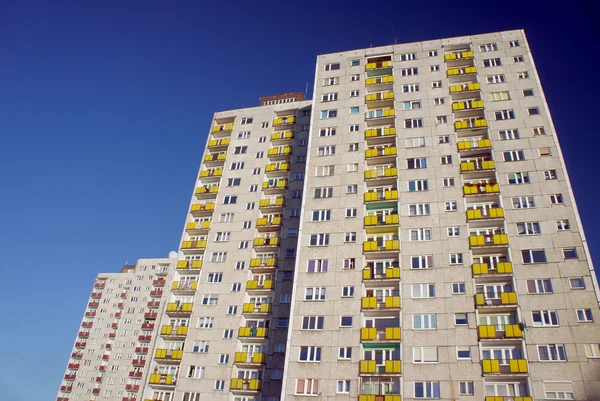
(306, 90)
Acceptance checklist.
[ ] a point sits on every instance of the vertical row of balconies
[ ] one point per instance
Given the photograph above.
(500, 333)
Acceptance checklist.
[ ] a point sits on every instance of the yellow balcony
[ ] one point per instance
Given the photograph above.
(510, 331)
(280, 152)
(481, 143)
(274, 241)
(207, 190)
(174, 308)
(393, 366)
(199, 209)
(461, 71)
(279, 136)
(372, 397)
(514, 366)
(189, 264)
(372, 334)
(506, 298)
(215, 157)
(197, 226)
(478, 214)
(391, 302)
(258, 262)
(390, 219)
(377, 65)
(480, 165)
(377, 152)
(388, 245)
(379, 132)
(274, 167)
(458, 55)
(490, 365)
(486, 240)
(465, 88)
(184, 286)
(243, 357)
(468, 105)
(377, 173)
(501, 268)
(253, 332)
(475, 189)
(279, 184)
(470, 124)
(276, 202)
(170, 330)
(500, 398)
(226, 127)
(218, 142)
(376, 97)
(370, 366)
(386, 79)
(211, 173)
(251, 385)
(256, 285)
(257, 308)
(200, 244)
(264, 221)
(162, 353)
(390, 273)
(391, 194)
(380, 114)
(284, 120)
(157, 378)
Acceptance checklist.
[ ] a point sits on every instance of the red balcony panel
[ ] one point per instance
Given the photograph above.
(112, 335)
(99, 379)
(128, 399)
(120, 305)
(132, 387)
(160, 282)
(70, 377)
(93, 304)
(151, 315)
(156, 293)
(96, 295)
(153, 305)
(118, 315)
(99, 285)
(102, 368)
(148, 326)
(144, 339)
(66, 389)
(73, 366)
(115, 326)
(141, 350)
(105, 357)
(123, 295)
(136, 375)
(96, 391)
(108, 346)
(80, 344)
(62, 399)
(139, 362)
(76, 355)
(90, 314)
(87, 325)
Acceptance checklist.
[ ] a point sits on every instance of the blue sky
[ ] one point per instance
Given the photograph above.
(105, 106)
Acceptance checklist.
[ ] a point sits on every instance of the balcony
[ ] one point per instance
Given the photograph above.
(189, 264)
(488, 240)
(284, 121)
(136, 375)
(218, 144)
(176, 309)
(80, 344)
(132, 387)
(93, 305)
(215, 158)
(385, 195)
(389, 132)
(458, 55)
(212, 175)
(198, 227)
(380, 98)
(377, 303)
(477, 165)
(482, 188)
(266, 242)
(193, 246)
(381, 246)
(484, 214)
(222, 128)
(269, 223)
(62, 399)
(245, 359)
(453, 72)
(148, 326)
(70, 378)
(96, 295)
(84, 334)
(275, 186)
(500, 398)
(390, 273)
(100, 285)
(253, 332)
(73, 366)
(168, 354)
(467, 105)
(141, 350)
(378, 65)
(205, 209)
(501, 332)
(476, 123)
(159, 282)
(173, 331)
(475, 144)
(152, 315)
(184, 287)
(466, 87)
(385, 334)
(280, 153)
(90, 314)
(383, 80)
(206, 191)
(498, 268)
(157, 293)
(256, 286)
(263, 263)
(277, 202)
(87, 325)
(280, 169)
(162, 379)
(392, 366)
(506, 298)
(381, 152)
(77, 355)
(379, 220)
(139, 363)
(153, 304)
(66, 389)
(258, 309)
(380, 115)
(118, 315)
(120, 305)
(114, 326)
(96, 391)
(514, 366)
(240, 386)
(112, 336)
(388, 172)
(102, 368)
(282, 136)
(379, 397)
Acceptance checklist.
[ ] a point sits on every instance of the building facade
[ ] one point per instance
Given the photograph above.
(410, 233)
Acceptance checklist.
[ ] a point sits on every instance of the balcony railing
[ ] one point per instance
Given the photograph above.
(470, 124)
(386, 245)
(198, 225)
(258, 262)
(275, 168)
(245, 358)
(461, 71)
(479, 214)
(391, 302)
(389, 219)
(458, 55)
(145, 338)
(264, 221)
(386, 79)
(370, 367)
(378, 65)
(512, 398)
(167, 380)
(271, 241)
(262, 308)
(390, 273)
(391, 194)
(376, 97)
(275, 184)
(251, 385)
(386, 334)
(173, 330)
(475, 86)
(380, 132)
(184, 286)
(215, 157)
(477, 165)
(488, 239)
(279, 136)
(498, 268)
(199, 244)
(199, 208)
(189, 264)
(257, 285)
(483, 188)
(206, 190)
(226, 127)
(371, 115)
(380, 397)
(477, 144)
(284, 121)
(260, 332)
(211, 173)
(141, 350)
(148, 326)
(218, 142)
(384, 151)
(162, 353)
(506, 298)
(381, 173)
(176, 308)
(494, 366)
(275, 202)
(287, 150)
(506, 331)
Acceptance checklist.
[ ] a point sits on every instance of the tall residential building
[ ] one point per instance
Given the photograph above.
(118, 330)
(410, 233)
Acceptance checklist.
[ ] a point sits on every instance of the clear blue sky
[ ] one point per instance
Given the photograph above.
(104, 110)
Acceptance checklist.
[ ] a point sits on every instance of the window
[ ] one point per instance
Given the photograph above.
(453, 231)
(411, 105)
(422, 290)
(463, 352)
(563, 225)
(310, 354)
(539, 286)
(210, 299)
(228, 333)
(247, 225)
(195, 372)
(351, 212)
(584, 315)
(550, 175)
(410, 88)
(352, 167)
(466, 388)
(301, 143)
(229, 200)
(326, 150)
(285, 298)
(355, 77)
(458, 288)
(321, 215)
(299, 176)
(328, 114)
(552, 352)
(243, 135)
(527, 92)
(233, 182)
(354, 128)
(544, 318)
(222, 236)
(448, 182)
(224, 359)
(417, 186)
(419, 209)
(294, 213)
(331, 81)
(438, 101)
(256, 171)
(544, 152)
(592, 350)
(529, 228)
(214, 278)
(518, 59)
(346, 321)
(345, 353)
(354, 93)
(577, 283)
(499, 96)
(461, 319)
(436, 84)
(264, 124)
(434, 68)
(218, 257)
(451, 206)
(533, 256)
(348, 292)
(424, 322)
(518, 178)
(313, 322)
(328, 97)
(326, 192)
(200, 346)
(240, 150)
(533, 111)
(282, 322)
(427, 389)
(569, 253)
(231, 310)
(206, 322)
(444, 139)
(505, 115)
(314, 294)
(349, 264)
(441, 120)
(425, 355)
(415, 142)
(456, 258)
(276, 374)
(492, 62)
(408, 56)
(495, 79)
(332, 66)
(319, 240)
(446, 160)
(433, 53)
(279, 348)
(354, 110)
(420, 162)
(317, 266)
(353, 147)
(324, 171)
(523, 202)
(523, 75)
(352, 189)
(307, 386)
(237, 166)
(253, 188)
(420, 234)
(508, 134)
(488, 47)
(413, 123)
(350, 237)
(421, 262)
(409, 71)
(514, 43)
(556, 199)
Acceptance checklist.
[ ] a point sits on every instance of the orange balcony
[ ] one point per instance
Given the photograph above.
(162, 379)
(176, 309)
(257, 309)
(215, 157)
(475, 123)
(287, 120)
(388, 172)
(174, 354)
(258, 286)
(474, 144)
(184, 286)
(170, 330)
(466, 87)
(280, 153)
(477, 165)
(378, 65)
(216, 173)
(245, 385)
(198, 227)
(207, 191)
(198, 244)
(276, 202)
(484, 214)
(382, 80)
(380, 132)
(263, 263)
(265, 242)
(269, 222)
(370, 367)
(494, 366)
(381, 152)
(378, 246)
(217, 144)
(452, 72)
